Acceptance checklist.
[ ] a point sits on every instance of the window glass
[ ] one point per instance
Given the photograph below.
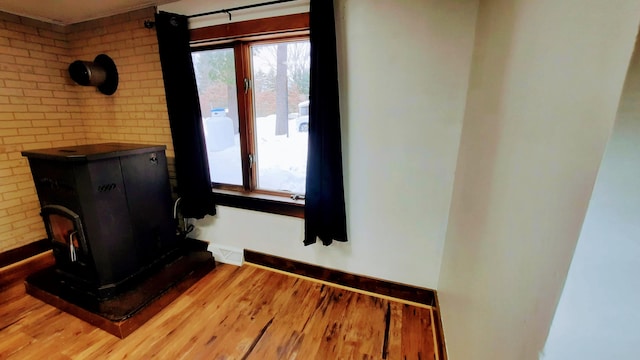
(216, 80)
(61, 228)
(280, 74)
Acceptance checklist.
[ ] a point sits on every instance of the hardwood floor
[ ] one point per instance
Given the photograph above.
(232, 313)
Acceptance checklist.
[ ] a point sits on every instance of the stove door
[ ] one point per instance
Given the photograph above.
(64, 228)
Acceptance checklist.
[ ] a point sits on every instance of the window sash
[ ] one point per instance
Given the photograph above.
(241, 36)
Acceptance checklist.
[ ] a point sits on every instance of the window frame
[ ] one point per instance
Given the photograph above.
(240, 36)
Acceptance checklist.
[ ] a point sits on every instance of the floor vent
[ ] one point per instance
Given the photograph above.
(226, 254)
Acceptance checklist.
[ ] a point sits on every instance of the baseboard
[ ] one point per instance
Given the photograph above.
(18, 271)
(440, 341)
(24, 252)
(381, 287)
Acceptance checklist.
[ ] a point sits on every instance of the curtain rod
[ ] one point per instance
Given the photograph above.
(228, 11)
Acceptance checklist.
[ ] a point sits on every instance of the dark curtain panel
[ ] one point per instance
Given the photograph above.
(325, 215)
(192, 166)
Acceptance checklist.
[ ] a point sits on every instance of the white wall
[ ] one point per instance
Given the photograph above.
(598, 314)
(404, 67)
(543, 93)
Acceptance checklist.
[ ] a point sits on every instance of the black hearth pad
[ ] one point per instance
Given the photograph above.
(124, 313)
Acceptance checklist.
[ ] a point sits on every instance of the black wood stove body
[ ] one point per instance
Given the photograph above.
(107, 209)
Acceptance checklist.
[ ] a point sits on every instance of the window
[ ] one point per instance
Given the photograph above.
(254, 98)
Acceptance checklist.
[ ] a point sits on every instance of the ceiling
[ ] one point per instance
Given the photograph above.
(65, 12)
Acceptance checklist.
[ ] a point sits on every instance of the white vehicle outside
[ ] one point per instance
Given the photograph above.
(302, 121)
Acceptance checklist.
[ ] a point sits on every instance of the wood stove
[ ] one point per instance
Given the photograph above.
(107, 210)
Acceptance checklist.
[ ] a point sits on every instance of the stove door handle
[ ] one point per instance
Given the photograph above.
(72, 249)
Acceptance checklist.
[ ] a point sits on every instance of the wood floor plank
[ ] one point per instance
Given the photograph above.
(395, 331)
(299, 305)
(231, 313)
(417, 333)
(13, 343)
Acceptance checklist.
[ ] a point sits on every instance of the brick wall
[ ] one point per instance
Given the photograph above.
(137, 112)
(40, 106)
(36, 101)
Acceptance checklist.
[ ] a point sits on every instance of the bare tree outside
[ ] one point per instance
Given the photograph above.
(297, 64)
(282, 111)
(216, 68)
